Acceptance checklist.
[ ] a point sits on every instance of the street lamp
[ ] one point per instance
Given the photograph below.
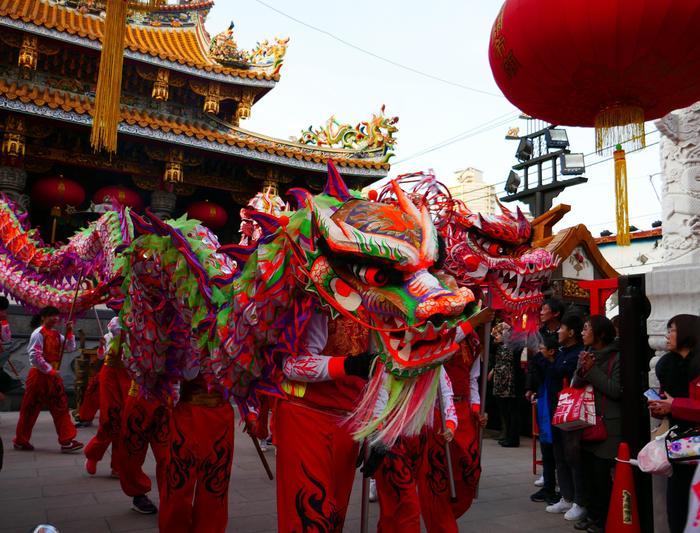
(572, 164)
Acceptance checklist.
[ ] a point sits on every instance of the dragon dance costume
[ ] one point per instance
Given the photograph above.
(315, 474)
(44, 387)
(113, 388)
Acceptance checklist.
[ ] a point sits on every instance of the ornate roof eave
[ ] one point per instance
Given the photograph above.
(87, 42)
(563, 243)
(313, 160)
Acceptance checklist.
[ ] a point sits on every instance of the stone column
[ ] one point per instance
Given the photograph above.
(673, 286)
(163, 203)
(13, 181)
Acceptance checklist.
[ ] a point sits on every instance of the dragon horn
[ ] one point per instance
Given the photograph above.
(335, 186)
(405, 203)
(524, 227)
(505, 211)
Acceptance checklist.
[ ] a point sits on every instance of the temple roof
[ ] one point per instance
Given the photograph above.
(206, 134)
(174, 34)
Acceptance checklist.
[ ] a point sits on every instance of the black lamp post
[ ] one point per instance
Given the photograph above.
(546, 145)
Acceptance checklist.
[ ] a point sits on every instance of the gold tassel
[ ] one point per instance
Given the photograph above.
(106, 115)
(619, 124)
(623, 219)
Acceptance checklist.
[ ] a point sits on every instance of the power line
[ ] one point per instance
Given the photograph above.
(377, 56)
(472, 132)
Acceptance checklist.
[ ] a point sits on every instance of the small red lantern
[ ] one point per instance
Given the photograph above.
(210, 214)
(120, 194)
(57, 191)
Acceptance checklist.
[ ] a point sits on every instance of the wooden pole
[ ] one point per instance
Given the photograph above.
(486, 343)
(70, 317)
(364, 511)
(263, 460)
(448, 451)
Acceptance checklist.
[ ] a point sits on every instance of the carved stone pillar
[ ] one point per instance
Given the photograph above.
(12, 182)
(673, 286)
(163, 203)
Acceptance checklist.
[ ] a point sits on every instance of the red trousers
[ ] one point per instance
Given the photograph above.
(439, 514)
(315, 468)
(114, 386)
(397, 478)
(194, 496)
(91, 399)
(44, 390)
(145, 421)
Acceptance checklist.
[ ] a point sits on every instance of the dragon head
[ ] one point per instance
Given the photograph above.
(494, 251)
(369, 259)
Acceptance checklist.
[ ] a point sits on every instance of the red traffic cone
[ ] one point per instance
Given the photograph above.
(623, 516)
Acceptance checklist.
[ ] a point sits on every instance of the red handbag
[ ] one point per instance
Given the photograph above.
(598, 432)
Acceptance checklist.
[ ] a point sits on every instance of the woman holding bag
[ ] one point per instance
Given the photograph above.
(599, 366)
(678, 372)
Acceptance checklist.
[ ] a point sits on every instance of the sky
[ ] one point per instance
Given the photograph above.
(446, 39)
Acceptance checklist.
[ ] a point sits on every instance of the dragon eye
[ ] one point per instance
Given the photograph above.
(495, 249)
(370, 275)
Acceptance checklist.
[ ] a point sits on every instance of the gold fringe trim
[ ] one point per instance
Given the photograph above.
(105, 119)
(623, 219)
(619, 125)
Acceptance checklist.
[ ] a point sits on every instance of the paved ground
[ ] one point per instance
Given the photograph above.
(46, 486)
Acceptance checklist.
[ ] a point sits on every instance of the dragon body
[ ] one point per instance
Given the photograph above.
(39, 275)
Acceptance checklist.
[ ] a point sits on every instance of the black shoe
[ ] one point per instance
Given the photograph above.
(543, 495)
(510, 444)
(594, 529)
(583, 525)
(81, 424)
(143, 505)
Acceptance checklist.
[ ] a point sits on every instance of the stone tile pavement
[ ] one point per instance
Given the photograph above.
(46, 486)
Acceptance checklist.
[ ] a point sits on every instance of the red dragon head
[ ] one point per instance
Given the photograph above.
(490, 252)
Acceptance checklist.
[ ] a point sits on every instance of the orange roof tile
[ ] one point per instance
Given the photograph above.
(81, 104)
(186, 46)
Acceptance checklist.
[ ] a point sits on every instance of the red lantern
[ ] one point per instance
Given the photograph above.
(210, 214)
(119, 194)
(575, 63)
(57, 192)
(608, 64)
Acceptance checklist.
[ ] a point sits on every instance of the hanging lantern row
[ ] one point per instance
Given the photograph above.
(212, 215)
(57, 191)
(119, 194)
(607, 64)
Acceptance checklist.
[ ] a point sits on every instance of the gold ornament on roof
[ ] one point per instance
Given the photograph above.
(14, 139)
(161, 85)
(28, 52)
(224, 50)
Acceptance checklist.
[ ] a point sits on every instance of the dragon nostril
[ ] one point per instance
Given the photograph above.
(438, 320)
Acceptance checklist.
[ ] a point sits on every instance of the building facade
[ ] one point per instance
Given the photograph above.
(468, 186)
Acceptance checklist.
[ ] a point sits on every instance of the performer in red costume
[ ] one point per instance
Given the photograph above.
(439, 514)
(316, 454)
(194, 492)
(90, 402)
(399, 472)
(44, 386)
(145, 420)
(114, 386)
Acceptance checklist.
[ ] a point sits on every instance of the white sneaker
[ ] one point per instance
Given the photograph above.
(263, 445)
(562, 506)
(372, 490)
(576, 513)
(539, 482)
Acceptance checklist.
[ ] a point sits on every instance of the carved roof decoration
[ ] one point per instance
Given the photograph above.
(370, 163)
(174, 33)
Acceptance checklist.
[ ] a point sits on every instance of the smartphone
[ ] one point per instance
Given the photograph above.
(651, 394)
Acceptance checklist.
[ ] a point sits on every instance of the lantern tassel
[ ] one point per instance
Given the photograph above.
(623, 221)
(106, 116)
(617, 125)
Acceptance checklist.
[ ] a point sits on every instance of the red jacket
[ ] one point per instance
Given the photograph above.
(688, 408)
